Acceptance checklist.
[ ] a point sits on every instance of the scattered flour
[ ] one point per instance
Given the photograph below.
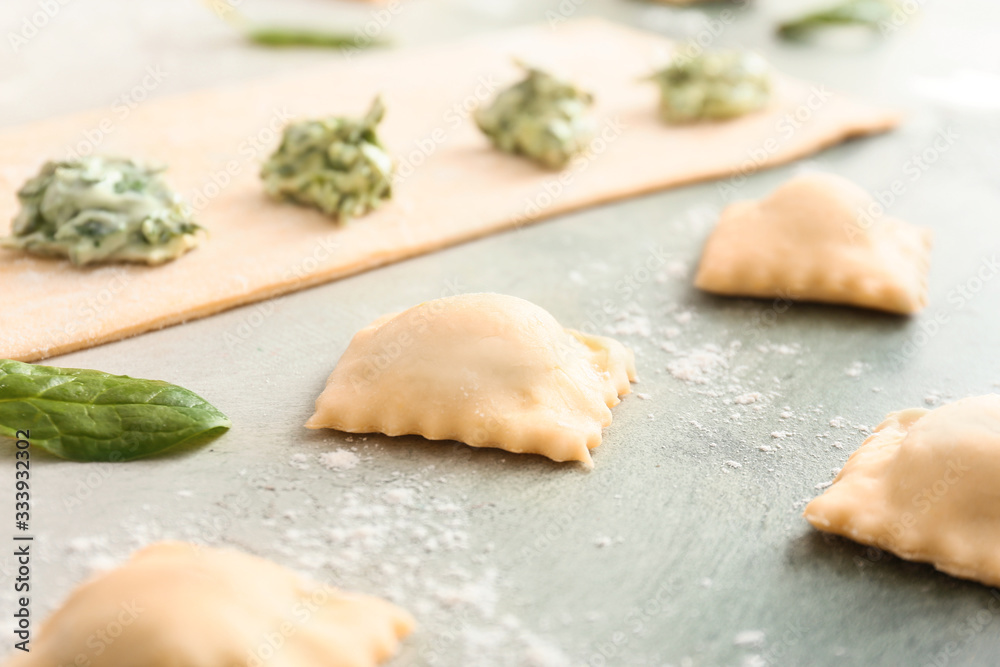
(749, 639)
(542, 654)
(339, 459)
(700, 365)
(369, 536)
(674, 270)
(748, 398)
(299, 461)
(631, 320)
(400, 496)
(855, 369)
(780, 349)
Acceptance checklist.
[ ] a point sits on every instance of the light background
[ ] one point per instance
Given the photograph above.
(667, 553)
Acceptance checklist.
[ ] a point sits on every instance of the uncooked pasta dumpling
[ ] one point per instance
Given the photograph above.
(180, 605)
(818, 237)
(485, 369)
(925, 487)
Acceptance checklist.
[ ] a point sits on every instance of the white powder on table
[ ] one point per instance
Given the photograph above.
(339, 459)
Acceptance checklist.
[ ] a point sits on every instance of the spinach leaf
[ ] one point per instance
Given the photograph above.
(868, 13)
(86, 415)
(280, 37)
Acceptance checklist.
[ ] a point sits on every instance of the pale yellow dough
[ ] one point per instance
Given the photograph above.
(452, 184)
(925, 487)
(485, 369)
(179, 605)
(818, 238)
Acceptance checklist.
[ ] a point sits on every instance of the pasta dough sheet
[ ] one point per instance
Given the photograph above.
(452, 185)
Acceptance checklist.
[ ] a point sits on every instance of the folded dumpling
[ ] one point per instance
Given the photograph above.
(181, 605)
(485, 369)
(818, 237)
(925, 487)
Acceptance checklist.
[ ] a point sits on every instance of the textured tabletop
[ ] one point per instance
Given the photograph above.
(685, 544)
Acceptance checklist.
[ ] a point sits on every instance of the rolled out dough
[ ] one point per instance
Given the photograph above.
(452, 185)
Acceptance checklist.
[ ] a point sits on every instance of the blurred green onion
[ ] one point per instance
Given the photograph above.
(290, 37)
(281, 37)
(865, 13)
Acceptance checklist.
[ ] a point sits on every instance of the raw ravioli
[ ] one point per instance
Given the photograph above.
(818, 237)
(181, 605)
(924, 486)
(486, 369)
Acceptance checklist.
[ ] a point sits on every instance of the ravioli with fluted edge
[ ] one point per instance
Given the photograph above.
(174, 604)
(485, 369)
(924, 486)
(818, 237)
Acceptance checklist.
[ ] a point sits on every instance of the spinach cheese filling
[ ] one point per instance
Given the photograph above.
(713, 86)
(335, 164)
(102, 209)
(541, 117)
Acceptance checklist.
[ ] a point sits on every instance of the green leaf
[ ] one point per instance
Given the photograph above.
(86, 415)
(867, 13)
(306, 37)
